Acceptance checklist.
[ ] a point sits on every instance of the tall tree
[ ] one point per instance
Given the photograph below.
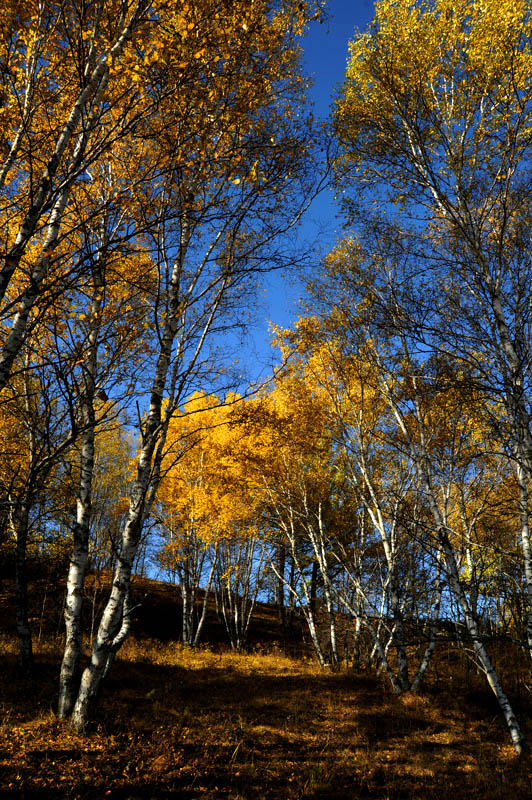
(66, 77)
(222, 191)
(435, 116)
(434, 124)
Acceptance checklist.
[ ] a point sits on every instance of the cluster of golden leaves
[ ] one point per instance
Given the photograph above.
(170, 126)
(189, 116)
(446, 83)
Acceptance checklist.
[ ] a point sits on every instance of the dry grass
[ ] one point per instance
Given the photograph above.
(202, 724)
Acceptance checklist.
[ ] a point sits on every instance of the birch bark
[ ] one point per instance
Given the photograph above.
(69, 675)
(422, 460)
(142, 493)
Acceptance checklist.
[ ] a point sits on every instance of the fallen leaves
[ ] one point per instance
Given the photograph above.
(229, 725)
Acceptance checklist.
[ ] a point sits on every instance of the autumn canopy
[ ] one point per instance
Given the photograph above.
(156, 159)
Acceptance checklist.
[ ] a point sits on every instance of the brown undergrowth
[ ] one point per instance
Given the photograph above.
(174, 722)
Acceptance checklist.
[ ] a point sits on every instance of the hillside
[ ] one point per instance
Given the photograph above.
(174, 722)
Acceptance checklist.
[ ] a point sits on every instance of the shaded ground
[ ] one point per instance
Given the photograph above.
(185, 724)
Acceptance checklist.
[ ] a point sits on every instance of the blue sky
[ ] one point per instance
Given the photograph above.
(325, 52)
(325, 47)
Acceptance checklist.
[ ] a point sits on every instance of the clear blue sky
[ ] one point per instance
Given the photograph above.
(325, 52)
(325, 47)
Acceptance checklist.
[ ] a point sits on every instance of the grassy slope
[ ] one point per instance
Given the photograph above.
(212, 724)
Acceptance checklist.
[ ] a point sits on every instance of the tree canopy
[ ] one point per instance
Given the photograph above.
(155, 161)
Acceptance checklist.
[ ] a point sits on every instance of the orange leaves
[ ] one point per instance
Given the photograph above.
(427, 69)
(14, 438)
(225, 459)
(172, 107)
(227, 462)
(205, 482)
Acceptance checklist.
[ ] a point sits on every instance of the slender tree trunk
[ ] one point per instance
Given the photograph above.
(20, 525)
(186, 628)
(429, 650)
(318, 539)
(123, 633)
(453, 575)
(142, 495)
(70, 670)
(398, 635)
(526, 549)
(479, 648)
(208, 587)
(314, 586)
(280, 583)
(70, 666)
(356, 642)
(304, 598)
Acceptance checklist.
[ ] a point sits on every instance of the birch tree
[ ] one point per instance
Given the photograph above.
(66, 100)
(435, 117)
(376, 538)
(435, 421)
(97, 329)
(223, 190)
(293, 471)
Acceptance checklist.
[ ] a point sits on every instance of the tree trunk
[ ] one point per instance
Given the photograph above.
(479, 648)
(70, 669)
(314, 586)
(279, 585)
(20, 524)
(142, 496)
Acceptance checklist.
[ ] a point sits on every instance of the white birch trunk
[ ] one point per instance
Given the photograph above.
(69, 675)
(201, 620)
(113, 612)
(317, 539)
(304, 601)
(453, 575)
(147, 475)
(123, 632)
(526, 549)
(429, 650)
(514, 729)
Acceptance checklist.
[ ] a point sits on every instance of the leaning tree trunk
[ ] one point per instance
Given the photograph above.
(111, 621)
(480, 651)
(142, 496)
(453, 575)
(317, 540)
(123, 633)
(113, 614)
(431, 646)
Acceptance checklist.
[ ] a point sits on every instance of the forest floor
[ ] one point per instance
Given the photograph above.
(208, 723)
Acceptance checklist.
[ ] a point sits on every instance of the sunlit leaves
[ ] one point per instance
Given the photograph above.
(437, 99)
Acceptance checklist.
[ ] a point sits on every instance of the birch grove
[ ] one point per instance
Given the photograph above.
(156, 160)
(147, 152)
